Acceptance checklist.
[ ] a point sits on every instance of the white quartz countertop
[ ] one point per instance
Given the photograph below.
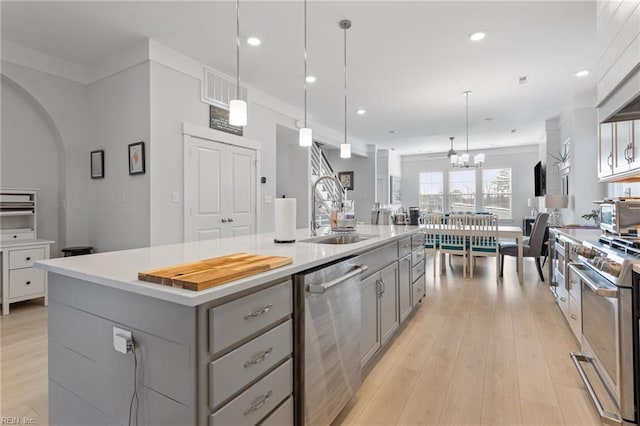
(119, 269)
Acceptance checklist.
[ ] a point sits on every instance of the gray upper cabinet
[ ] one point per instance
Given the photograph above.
(605, 150)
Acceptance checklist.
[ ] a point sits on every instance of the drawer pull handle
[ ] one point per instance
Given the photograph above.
(15, 236)
(254, 314)
(258, 405)
(573, 316)
(563, 299)
(28, 259)
(28, 282)
(264, 355)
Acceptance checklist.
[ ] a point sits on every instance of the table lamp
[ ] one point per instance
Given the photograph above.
(533, 203)
(556, 202)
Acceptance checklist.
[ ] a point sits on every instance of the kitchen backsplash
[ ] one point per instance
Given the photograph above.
(623, 189)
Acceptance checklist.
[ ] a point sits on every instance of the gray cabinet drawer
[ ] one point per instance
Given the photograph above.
(417, 257)
(25, 258)
(25, 282)
(251, 406)
(240, 367)
(404, 246)
(378, 258)
(417, 270)
(234, 321)
(419, 290)
(418, 240)
(282, 416)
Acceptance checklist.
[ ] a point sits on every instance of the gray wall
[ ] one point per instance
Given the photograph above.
(520, 159)
(30, 157)
(118, 208)
(64, 102)
(581, 127)
(364, 180)
(293, 173)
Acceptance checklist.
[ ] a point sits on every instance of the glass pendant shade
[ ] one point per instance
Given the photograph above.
(237, 112)
(464, 158)
(345, 150)
(454, 159)
(305, 137)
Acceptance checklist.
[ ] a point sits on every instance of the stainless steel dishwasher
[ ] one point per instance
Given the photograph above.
(327, 316)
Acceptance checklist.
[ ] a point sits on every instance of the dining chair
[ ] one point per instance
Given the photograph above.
(531, 247)
(483, 239)
(432, 223)
(453, 240)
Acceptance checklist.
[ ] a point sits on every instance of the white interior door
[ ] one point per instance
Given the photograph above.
(220, 190)
(204, 199)
(242, 206)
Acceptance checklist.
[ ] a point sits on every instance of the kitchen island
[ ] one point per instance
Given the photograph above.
(195, 356)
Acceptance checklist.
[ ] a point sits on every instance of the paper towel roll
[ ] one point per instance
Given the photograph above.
(285, 218)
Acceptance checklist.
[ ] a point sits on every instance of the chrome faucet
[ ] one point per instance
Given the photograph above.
(314, 224)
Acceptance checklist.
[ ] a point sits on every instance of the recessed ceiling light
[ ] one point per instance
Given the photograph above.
(582, 73)
(310, 79)
(254, 41)
(361, 111)
(477, 36)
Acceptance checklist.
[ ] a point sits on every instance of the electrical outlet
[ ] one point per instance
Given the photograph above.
(121, 340)
(175, 197)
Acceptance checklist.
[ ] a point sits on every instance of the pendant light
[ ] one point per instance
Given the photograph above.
(306, 134)
(463, 160)
(345, 148)
(237, 107)
(451, 150)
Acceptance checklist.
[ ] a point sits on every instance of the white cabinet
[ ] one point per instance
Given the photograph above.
(619, 151)
(623, 147)
(605, 150)
(19, 248)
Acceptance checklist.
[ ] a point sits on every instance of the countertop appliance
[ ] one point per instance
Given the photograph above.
(606, 363)
(327, 317)
(621, 216)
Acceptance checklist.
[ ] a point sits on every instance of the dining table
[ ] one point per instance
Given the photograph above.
(504, 232)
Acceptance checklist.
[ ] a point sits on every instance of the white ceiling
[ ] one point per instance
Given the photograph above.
(409, 62)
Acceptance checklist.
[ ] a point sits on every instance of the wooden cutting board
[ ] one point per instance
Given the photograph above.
(208, 273)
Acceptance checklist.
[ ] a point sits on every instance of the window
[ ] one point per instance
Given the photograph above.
(496, 192)
(462, 190)
(431, 197)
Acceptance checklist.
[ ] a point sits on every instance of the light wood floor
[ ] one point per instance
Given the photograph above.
(476, 353)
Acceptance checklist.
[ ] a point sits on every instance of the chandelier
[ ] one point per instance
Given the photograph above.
(463, 160)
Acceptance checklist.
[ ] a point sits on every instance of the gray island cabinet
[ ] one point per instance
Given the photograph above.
(220, 356)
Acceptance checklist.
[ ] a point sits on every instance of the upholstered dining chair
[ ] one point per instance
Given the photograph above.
(531, 247)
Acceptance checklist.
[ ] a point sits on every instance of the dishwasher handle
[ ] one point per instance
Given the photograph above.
(321, 288)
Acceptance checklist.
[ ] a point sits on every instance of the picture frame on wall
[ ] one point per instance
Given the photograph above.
(346, 179)
(97, 164)
(136, 158)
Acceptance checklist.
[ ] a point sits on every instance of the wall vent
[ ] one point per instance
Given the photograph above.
(218, 89)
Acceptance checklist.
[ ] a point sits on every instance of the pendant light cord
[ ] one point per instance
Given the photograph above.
(345, 83)
(237, 49)
(305, 63)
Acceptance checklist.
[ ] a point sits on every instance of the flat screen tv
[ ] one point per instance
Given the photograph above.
(539, 174)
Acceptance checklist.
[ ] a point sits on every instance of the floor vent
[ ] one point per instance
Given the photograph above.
(218, 89)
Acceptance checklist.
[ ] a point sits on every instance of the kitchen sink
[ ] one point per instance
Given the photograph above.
(339, 239)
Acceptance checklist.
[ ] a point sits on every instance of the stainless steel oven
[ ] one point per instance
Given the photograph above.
(606, 361)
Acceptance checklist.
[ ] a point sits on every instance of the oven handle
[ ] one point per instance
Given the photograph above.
(606, 292)
(607, 417)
